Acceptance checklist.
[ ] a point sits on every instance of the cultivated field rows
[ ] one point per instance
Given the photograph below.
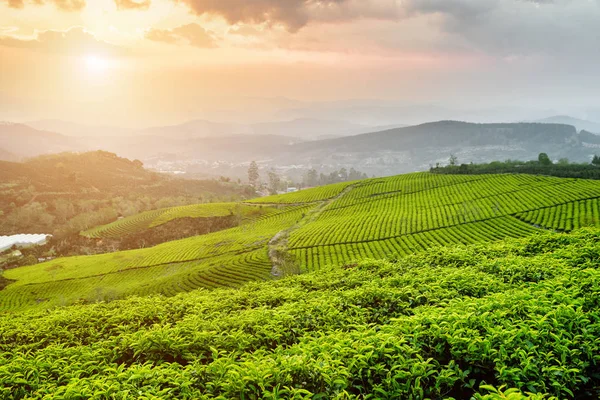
(374, 218)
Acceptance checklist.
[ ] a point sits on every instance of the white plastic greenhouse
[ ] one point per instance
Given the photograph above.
(6, 242)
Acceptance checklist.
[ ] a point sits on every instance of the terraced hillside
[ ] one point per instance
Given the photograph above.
(408, 213)
(307, 230)
(151, 219)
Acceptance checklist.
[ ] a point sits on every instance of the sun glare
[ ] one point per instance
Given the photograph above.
(97, 64)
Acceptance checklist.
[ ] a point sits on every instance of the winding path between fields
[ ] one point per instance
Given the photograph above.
(282, 261)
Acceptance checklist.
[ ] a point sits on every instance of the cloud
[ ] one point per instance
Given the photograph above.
(64, 5)
(244, 30)
(192, 34)
(293, 14)
(502, 28)
(518, 27)
(133, 4)
(72, 41)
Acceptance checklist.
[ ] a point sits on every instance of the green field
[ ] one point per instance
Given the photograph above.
(515, 319)
(309, 230)
(225, 258)
(306, 196)
(150, 219)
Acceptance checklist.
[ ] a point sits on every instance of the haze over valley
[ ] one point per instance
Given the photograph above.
(202, 148)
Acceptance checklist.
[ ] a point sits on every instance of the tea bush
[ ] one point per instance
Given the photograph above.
(513, 319)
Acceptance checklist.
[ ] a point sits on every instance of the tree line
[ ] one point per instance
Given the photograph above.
(542, 166)
(275, 182)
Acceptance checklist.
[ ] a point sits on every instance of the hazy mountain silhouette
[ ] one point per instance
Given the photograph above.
(78, 130)
(580, 124)
(24, 141)
(7, 156)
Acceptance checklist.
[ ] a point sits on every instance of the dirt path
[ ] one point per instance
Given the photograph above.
(282, 261)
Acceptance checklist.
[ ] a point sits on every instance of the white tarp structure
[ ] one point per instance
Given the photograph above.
(6, 242)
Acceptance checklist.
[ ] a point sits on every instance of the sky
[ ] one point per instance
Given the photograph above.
(139, 63)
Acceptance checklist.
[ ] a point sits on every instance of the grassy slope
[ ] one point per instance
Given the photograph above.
(447, 323)
(374, 218)
(225, 258)
(150, 219)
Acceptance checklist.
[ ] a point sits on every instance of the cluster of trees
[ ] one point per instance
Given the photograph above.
(63, 217)
(66, 193)
(310, 178)
(542, 166)
(313, 178)
(274, 182)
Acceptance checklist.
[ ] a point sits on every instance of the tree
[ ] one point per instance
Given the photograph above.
(563, 161)
(323, 179)
(138, 164)
(543, 159)
(312, 178)
(453, 160)
(355, 175)
(343, 174)
(596, 160)
(253, 175)
(274, 181)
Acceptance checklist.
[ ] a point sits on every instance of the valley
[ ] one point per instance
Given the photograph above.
(192, 151)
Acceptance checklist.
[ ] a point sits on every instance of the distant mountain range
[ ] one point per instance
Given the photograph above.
(77, 130)
(201, 145)
(7, 156)
(19, 140)
(299, 128)
(418, 147)
(580, 124)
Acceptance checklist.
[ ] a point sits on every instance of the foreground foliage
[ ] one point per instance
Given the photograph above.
(514, 319)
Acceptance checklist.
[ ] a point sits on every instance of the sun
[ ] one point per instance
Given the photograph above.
(97, 64)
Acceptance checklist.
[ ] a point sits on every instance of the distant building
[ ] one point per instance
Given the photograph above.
(292, 189)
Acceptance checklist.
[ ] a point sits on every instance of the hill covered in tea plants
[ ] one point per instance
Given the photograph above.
(311, 229)
(143, 222)
(513, 319)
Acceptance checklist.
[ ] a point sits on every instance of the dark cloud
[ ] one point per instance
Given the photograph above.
(73, 41)
(133, 4)
(192, 34)
(65, 5)
(293, 14)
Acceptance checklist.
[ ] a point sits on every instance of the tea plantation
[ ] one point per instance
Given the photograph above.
(150, 219)
(513, 319)
(308, 231)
